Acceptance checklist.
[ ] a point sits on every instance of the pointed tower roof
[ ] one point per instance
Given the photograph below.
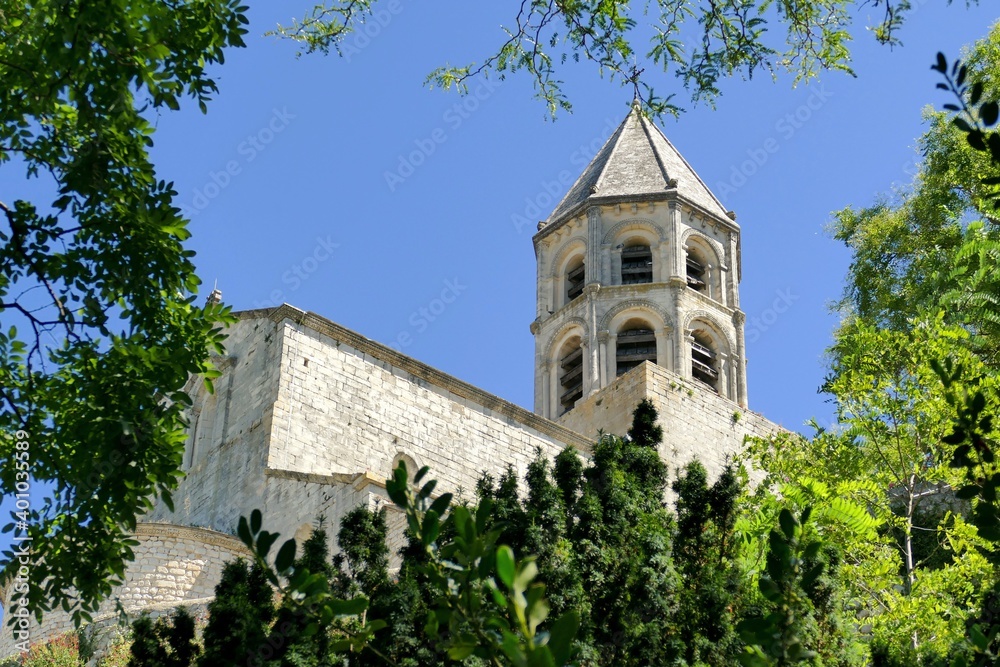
(637, 160)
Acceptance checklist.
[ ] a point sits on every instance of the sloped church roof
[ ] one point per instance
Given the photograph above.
(637, 160)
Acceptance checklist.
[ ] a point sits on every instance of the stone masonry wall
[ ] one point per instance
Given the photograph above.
(227, 449)
(697, 423)
(347, 405)
(173, 564)
(303, 407)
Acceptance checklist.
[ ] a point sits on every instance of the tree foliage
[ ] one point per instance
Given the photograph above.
(698, 42)
(100, 334)
(166, 642)
(240, 617)
(914, 378)
(648, 588)
(934, 245)
(881, 488)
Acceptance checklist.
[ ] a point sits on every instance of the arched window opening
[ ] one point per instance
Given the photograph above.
(570, 374)
(635, 343)
(411, 465)
(704, 361)
(575, 278)
(637, 265)
(695, 272)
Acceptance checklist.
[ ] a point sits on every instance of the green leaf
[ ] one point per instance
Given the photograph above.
(462, 651)
(561, 636)
(243, 532)
(962, 124)
(977, 404)
(988, 113)
(769, 589)
(967, 492)
(265, 541)
(420, 474)
(537, 608)
(941, 65)
(432, 625)
(286, 556)
(483, 514)
(427, 490)
(975, 139)
(976, 93)
(979, 640)
(353, 607)
(256, 520)
(526, 572)
(431, 527)
(505, 565)
(440, 505)
(788, 523)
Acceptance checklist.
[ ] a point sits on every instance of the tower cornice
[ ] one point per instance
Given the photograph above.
(725, 222)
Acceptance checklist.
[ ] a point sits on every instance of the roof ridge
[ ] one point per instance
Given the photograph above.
(692, 170)
(656, 153)
(616, 137)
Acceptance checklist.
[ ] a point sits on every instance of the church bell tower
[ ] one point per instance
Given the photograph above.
(638, 262)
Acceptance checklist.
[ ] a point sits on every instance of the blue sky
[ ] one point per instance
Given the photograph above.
(303, 187)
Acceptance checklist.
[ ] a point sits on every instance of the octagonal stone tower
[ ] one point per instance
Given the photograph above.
(638, 262)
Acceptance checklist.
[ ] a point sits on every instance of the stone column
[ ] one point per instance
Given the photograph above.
(661, 262)
(554, 389)
(544, 391)
(739, 321)
(733, 275)
(723, 385)
(602, 339)
(674, 265)
(588, 369)
(592, 381)
(724, 282)
(677, 287)
(685, 370)
(615, 267)
(663, 355)
(543, 290)
(594, 237)
(547, 298)
(607, 264)
(612, 359)
(710, 281)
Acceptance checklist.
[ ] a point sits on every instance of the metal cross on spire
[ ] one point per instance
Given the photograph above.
(634, 78)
